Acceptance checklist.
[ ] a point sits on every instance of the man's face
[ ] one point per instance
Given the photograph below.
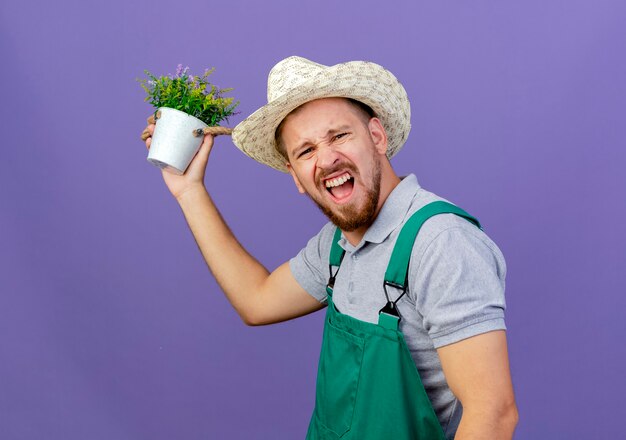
(335, 156)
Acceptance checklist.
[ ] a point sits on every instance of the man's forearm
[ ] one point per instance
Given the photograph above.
(237, 272)
(494, 425)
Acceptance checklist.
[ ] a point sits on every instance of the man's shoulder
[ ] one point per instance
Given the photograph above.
(310, 266)
(448, 223)
(437, 223)
(322, 240)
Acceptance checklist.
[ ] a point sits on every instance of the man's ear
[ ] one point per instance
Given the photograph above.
(378, 134)
(295, 179)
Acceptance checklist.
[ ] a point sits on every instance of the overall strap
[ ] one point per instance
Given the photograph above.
(336, 251)
(336, 255)
(397, 269)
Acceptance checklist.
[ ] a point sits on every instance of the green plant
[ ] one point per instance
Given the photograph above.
(191, 94)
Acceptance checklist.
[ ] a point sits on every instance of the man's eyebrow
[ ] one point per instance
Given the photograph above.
(329, 133)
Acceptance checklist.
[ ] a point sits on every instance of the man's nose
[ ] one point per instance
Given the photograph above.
(327, 155)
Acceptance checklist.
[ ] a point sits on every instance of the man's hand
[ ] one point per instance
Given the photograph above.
(477, 371)
(194, 175)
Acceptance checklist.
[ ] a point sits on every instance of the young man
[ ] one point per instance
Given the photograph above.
(414, 343)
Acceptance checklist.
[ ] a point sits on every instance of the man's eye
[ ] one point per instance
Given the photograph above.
(303, 152)
(340, 135)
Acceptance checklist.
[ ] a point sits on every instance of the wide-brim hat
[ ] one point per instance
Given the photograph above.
(296, 80)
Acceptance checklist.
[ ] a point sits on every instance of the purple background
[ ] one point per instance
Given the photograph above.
(111, 326)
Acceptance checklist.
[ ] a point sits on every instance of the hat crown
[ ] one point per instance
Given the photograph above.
(289, 74)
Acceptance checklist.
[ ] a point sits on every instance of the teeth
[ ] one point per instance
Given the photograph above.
(338, 181)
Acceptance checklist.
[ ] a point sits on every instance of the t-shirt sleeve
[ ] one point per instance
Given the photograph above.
(310, 266)
(459, 286)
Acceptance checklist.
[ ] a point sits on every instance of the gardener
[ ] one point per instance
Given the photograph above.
(409, 280)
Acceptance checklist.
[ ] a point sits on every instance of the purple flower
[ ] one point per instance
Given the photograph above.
(179, 70)
(186, 70)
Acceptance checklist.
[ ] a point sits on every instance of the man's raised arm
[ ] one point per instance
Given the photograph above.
(258, 296)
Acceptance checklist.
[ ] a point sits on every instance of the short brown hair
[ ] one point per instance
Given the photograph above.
(365, 111)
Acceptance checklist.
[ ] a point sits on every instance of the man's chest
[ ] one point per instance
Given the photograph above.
(358, 289)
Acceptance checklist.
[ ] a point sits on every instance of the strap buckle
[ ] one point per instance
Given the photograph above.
(331, 282)
(332, 277)
(391, 307)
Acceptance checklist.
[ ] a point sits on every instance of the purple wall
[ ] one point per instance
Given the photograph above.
(111, 326)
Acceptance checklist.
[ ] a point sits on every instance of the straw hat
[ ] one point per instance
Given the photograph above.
(295, 81)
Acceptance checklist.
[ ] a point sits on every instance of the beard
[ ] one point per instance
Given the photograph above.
(349, 217)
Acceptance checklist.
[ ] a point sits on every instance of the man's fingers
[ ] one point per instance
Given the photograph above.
(145, 135)
(207, 144)
(151, 119)
(147, 132)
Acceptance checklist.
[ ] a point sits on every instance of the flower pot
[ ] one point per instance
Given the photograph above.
(173, 144)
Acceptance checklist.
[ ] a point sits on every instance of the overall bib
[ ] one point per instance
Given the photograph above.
(368, 386)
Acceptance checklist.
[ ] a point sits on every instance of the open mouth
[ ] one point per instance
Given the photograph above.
(340, 187)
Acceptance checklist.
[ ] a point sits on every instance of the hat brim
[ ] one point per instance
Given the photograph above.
(360, 80)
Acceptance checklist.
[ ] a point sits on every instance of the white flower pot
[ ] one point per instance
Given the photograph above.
(173, 144)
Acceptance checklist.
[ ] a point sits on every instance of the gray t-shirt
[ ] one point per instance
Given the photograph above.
(456, 284)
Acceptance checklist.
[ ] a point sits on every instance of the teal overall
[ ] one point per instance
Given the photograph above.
(367, 384)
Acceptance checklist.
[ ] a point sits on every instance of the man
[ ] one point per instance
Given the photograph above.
(334, 130)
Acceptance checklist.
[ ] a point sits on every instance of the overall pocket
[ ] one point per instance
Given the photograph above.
(338, 379)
